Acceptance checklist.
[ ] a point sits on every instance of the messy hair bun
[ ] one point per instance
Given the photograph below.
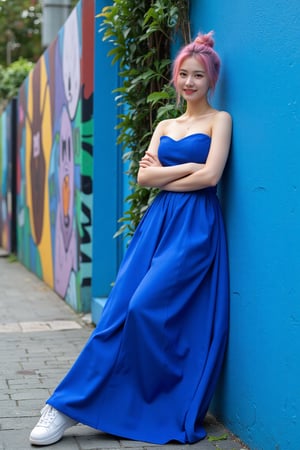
(205, 39)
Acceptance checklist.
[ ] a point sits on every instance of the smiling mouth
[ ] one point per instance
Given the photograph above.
(189, 91)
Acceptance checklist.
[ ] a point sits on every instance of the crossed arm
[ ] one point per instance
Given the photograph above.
(189, 176)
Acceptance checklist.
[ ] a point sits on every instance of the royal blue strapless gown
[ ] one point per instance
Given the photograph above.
(149, 369)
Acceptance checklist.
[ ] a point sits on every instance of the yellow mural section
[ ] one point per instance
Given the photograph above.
(38, 152)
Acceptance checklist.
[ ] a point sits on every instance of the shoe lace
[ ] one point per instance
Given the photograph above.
(47, 417)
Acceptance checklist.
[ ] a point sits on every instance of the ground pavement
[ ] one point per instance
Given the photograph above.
(40, 336)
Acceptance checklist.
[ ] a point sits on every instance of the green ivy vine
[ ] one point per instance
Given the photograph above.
(141, 34)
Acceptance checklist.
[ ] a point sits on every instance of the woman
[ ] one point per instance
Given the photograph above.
(149, 369)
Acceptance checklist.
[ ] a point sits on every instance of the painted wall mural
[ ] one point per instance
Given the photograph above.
(55, 156)
(7, 177)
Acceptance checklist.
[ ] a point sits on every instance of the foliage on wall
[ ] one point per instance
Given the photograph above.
(141, 34)
(11, 78)
(20, 30)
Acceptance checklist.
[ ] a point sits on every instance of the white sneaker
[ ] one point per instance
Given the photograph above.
(51, 426)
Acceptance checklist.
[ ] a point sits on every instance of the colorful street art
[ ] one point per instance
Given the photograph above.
(55, 160)
(7, 177)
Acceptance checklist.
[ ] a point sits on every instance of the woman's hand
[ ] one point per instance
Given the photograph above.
(150, 160)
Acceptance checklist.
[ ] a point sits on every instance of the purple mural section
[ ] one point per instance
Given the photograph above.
(65, 235)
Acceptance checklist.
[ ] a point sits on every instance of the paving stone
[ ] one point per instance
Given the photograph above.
(30, 394)
(16, 423)
(10, 327)
(90, 440)
(12, 440)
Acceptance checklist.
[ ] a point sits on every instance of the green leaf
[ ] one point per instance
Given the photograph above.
(157, 97)
(223, 437)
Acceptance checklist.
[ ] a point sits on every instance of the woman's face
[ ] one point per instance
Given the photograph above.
(192, 81)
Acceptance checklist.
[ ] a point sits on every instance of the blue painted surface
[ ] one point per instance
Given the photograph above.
(259, 394)
(107, 195)
(97, 306)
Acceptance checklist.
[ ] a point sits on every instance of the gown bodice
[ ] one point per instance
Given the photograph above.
(191, 148)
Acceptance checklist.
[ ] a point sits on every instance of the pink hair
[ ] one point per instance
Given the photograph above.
(201, 49)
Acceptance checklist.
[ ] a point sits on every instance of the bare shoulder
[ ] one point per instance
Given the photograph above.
(222, 122)
(223, 117)
(159, 131)
(164, 125)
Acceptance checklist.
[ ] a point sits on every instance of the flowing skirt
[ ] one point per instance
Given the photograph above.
(149, 369)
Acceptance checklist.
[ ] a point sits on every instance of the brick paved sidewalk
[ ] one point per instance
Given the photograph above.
(40, 336)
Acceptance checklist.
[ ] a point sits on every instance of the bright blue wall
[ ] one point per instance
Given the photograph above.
(107, 177)
(259, 394)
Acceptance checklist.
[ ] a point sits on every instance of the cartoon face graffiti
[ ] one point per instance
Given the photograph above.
(71, 63)
(66, 179)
